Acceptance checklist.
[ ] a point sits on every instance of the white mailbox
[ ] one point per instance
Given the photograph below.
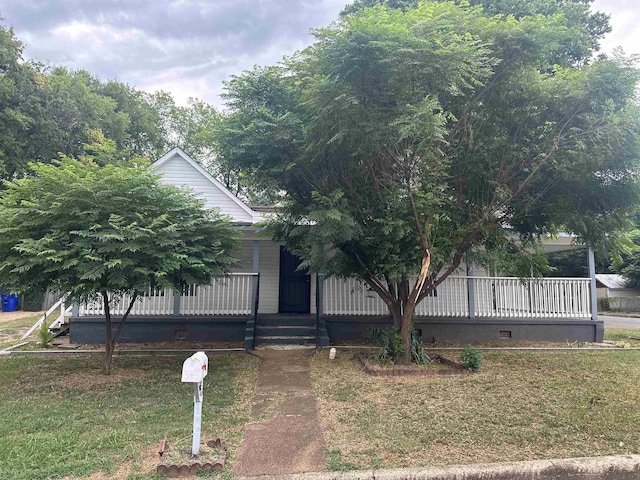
(194, 368)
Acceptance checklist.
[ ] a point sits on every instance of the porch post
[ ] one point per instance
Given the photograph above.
(75, 310)
(592, 275)
(319, 295)
(471, 297)
(176, 302)
(256, 269)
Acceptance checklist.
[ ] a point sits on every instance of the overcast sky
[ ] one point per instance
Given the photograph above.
(188, 47)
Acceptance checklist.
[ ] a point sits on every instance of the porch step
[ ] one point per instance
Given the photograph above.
(61, 330)
(285, 340)
(286, 330)
(287, 320)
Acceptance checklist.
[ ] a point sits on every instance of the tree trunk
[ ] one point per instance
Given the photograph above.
(405, 332)
(409, 307)
(396, 314)
(108, 344)
(108, 357)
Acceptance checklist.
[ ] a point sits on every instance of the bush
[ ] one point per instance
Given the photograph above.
(603, 304)
(471, 358)
(392, 346)
(45, 337)
(390, 342)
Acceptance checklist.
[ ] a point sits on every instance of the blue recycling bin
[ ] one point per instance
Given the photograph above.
(9, 302)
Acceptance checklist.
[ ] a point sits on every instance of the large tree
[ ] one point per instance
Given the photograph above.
(105, 232)
(46, 111)
(406, 138)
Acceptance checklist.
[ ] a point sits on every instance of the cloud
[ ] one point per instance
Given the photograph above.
(624, 20)
(187, 47)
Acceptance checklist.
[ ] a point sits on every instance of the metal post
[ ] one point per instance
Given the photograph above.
(471, 295)
(256, 269)
(319, 293)
(197, 418)
(592, 275)
(176, 302)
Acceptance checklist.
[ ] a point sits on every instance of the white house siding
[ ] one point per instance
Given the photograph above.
(177, 171)
(269, 277)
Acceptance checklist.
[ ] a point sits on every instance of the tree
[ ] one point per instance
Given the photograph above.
(102, 232)
(46, 111)
(17, 88)
(587, 27)
(260, 132)
(419, 135)
(208, 136)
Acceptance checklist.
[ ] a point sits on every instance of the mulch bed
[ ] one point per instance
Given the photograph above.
(451, 368)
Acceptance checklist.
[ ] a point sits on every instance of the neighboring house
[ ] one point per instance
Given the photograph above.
(611, 285)
(267, 300)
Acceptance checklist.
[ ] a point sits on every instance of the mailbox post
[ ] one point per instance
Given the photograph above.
(194, 369)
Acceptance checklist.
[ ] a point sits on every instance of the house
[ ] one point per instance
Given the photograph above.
(267, 300)
(611, 285)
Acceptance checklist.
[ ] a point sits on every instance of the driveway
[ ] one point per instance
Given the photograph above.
(626, 322)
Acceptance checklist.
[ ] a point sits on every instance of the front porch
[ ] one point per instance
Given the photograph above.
(465, 309)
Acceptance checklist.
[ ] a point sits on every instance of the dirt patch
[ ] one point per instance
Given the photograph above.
(177, 459)
(9, 316)
(147, 464)
(10, 335)
(439, 366)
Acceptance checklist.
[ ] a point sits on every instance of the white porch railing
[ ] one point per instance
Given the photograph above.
(232, 295)
(482, 297)
(63, 311)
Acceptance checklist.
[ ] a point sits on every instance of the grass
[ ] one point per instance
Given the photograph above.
(623, 336)
(11, 331)
(521, 406)
(62, 419)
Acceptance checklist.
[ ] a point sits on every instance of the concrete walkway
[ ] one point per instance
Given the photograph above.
(285, 435)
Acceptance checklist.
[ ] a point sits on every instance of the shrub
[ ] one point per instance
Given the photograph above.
(418, 353)
(392, 346)
(390, 342)
(45, 337)
(471, 358)
(603, 304)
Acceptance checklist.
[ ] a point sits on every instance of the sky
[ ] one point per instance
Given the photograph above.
(189, 47)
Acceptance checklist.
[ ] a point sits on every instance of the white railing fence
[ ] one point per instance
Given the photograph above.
(482, 297)
(231, 295)
(59, 309)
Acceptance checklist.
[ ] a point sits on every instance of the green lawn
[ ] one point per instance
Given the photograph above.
(62, 418)
(623, 336)
(521, 406)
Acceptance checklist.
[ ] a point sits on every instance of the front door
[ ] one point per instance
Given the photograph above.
(295, 286)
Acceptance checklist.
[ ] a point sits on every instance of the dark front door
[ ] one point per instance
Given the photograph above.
(295, 286)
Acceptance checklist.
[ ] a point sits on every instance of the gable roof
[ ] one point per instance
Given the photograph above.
(615, 282)
(180, 169)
